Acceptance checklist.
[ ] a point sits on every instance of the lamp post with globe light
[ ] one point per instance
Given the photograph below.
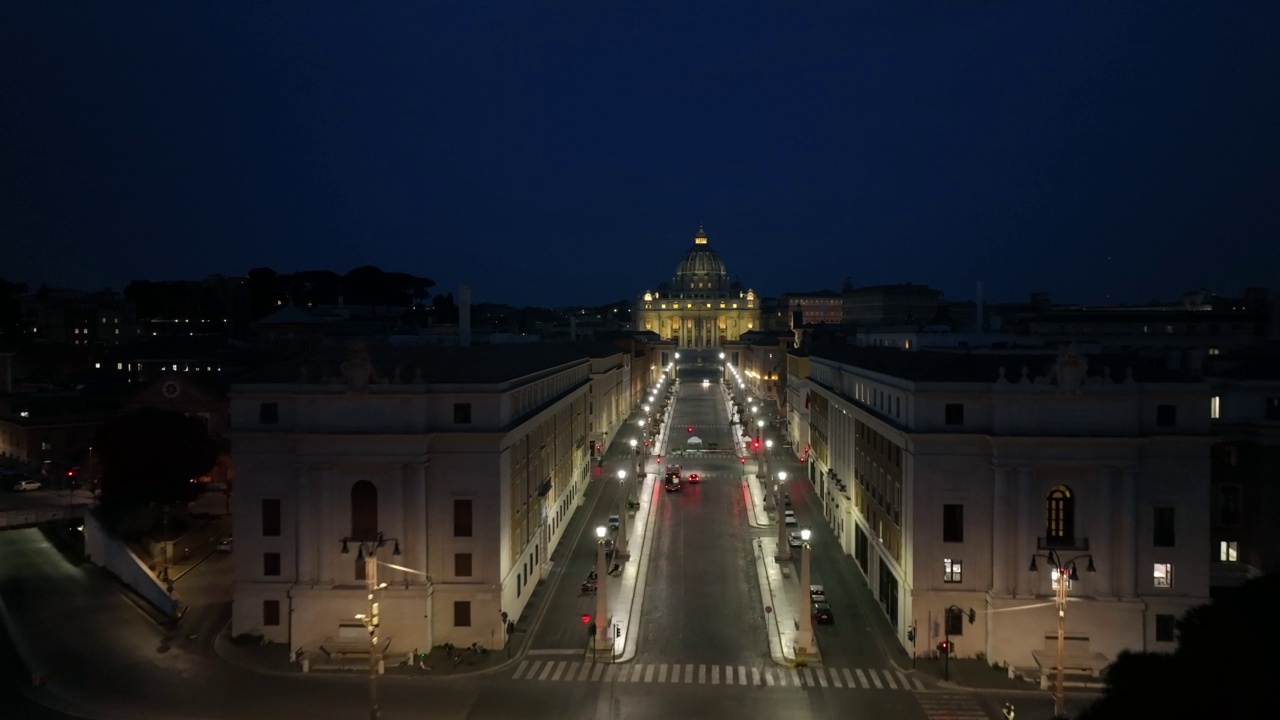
(768, 447)
(806, 618)
(368, 553)
(602, 592)
(760, 468)
(622, 552)
(635, 450)
(784, 547)
(1064, 573)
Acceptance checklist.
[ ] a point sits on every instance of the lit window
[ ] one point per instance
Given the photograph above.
(951, 571)
(97, 366)
(1162, 575)
(1228, 551)
(1214, 351)
(1215, 407)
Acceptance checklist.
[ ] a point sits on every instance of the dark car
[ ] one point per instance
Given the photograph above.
(822, 614)
(693, 478)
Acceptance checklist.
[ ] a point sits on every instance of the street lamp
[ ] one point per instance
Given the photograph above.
(622, 551)
(760, 469)
(946, 635)
(768, 448)
(784, 547)
(1064, 573)
(806, 618)
(368, 552)
(602, 591)
(635, 450)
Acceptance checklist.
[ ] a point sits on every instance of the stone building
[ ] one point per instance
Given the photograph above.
(944, 474)
(468, 460)
(700, 308)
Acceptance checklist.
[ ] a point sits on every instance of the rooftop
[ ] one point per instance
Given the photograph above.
(978, 367)
(421, 364)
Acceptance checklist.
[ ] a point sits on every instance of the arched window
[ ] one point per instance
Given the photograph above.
(364, 511)
(1060, 506)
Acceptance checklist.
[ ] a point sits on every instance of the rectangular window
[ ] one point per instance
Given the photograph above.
(462, 518)
(1163, 536)
(955, 622)
(952, 523)
(270, 613)
(1162, 575)
(1271, 410)
(951, 571)
(1228, 551)
(1215, 407)
(270, 517)
(268, 413)
(462, 413)
(462, 564)
(955, 413)
(462, 613)
(1166, 628)
(271, 564)
(1166, 415)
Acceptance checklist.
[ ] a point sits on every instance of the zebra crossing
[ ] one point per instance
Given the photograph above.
(703, 674)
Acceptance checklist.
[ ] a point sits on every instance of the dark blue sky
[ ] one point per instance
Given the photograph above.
(559, 153)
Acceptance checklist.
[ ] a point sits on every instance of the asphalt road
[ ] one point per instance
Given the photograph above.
(702, 601)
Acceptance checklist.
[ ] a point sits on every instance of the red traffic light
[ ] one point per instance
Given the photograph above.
(690, 428)
(586, 619)
(742, 460)
(944, 646)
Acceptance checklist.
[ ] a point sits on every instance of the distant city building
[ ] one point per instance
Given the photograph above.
(944, 473)
(825, 307)
(891, 304)
(471, 460)
(700, 308)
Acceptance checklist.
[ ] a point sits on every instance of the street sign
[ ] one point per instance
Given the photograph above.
(768, 609)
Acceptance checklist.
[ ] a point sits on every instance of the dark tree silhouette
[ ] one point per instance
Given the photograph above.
(149, 457)
(1222, 668)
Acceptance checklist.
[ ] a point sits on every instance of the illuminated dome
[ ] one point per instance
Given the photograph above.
(701, 270)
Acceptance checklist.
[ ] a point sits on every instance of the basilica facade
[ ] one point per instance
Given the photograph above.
(700, 308)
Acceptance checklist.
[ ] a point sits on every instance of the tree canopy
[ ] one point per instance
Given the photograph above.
(151, 456)
(1222, 668)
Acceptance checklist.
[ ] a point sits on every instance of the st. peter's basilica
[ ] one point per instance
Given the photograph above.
(700, 308)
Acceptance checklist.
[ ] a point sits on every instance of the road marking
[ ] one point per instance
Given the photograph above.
(560, 666)
(648, 673)
(546, 671)
(919, 685)
(848, 678)
(688, 673)
(596, 672)
(888, 678)
(611, 673)
(795, 677)
(768, 678)
(875, 679)
(822, 678)
(554, 652)
(662, 673)
(742, 675)
(755, 677)
(702, 674)
(902, 680)
(862, 679)
(583, 671)
(520, 669)
(715, 674)
(808, 676)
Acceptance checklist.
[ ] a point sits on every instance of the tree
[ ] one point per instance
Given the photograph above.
(1222, 668)
(149, 458)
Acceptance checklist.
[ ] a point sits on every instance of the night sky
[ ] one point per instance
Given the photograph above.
(561, 153)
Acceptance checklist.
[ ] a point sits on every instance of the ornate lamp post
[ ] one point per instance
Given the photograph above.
(635, 450)
(806, 617)
(760, 470)
(622, 552)
(768, 447)
(1064, 573)
(602, 592)
(368, 552)
(784, 547)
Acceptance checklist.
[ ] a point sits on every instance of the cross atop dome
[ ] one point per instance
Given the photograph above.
(701, 237)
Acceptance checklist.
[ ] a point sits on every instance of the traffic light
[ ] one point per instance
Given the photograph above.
(690, 428)
(586, 619)
(742, 460)
(944, 647)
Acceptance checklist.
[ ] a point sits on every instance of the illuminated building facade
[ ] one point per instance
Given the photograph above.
(700, 308)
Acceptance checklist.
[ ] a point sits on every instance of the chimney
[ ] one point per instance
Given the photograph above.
(981, 326)
(464, 316)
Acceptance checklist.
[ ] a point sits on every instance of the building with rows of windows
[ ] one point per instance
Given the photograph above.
(700, 308)
(467, 461)
(945, 473)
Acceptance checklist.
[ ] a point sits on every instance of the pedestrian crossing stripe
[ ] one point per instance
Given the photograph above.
(703, 674)
(951, 706)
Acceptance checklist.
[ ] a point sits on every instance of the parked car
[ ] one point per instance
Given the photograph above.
(822, 614)
(790, 517)
(25, 485)
(614, 522)
(794, 540)
(224, 544)
(786, 499)
(817, 593)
